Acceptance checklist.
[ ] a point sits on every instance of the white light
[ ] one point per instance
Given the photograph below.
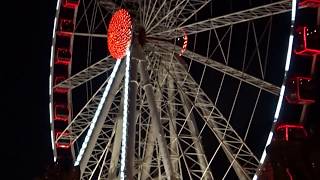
(54, 27)
(50, 84)
(264, 154)
(95, 117)
(50, 112)
(293, 12)
(51, 58)
(287, 66)
(255, 177)
(288, 59)
(52, 140)
(125, 117)
(58, 3)
(276, 114)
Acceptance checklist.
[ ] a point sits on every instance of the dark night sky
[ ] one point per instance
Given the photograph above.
(25, 96)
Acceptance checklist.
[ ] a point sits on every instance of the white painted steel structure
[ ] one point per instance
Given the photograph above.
(183, 111)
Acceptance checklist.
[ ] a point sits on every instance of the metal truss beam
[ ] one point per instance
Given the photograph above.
(244, 162)
(102, 147)
(259, 83)
(82, 120)
(87, 74)
(156, 119)
(226, 20)
(102, 116)
(173, 13)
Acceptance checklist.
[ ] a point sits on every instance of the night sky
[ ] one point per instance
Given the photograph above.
(25, 68)
(25, 97)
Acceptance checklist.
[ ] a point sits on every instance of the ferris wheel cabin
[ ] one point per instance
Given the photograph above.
(300, 90)
(310, 3)
(71, 3)
(308, 39)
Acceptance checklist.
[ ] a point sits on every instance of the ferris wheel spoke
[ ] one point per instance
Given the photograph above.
(226, 20)
(104, 65)
(82, 120)
(189, 11)
(90, 35)
(234, 147)
(183, 132)
(261, 84)
(100, 115)
(181, 10)
(101, 149)
(197, 143)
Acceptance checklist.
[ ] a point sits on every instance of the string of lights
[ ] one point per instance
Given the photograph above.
(282, 90)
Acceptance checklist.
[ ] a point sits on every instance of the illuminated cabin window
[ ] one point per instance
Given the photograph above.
(66, 26)
(300, 90)
(310, 3)
(308, 40)
(63, 56)
(63, 142)
(59, 79)
(63, 41)
(61, 112)
(71, 3)
(291, 132)
(60, 95)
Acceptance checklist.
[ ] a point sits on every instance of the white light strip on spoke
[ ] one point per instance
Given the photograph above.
(97, 113)
(287, 67)
(50, 81)
(125, 118)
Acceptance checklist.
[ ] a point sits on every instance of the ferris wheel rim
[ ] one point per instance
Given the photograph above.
(51, 74)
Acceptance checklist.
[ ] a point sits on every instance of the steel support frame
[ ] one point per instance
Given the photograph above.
(171, 13)
(102, 116)
(131, 122)
(185, 145)
(244, 161)
(87, 74)
(151, 137)
(155, 119)
(242, 76)
(226, 20)
(82, 120)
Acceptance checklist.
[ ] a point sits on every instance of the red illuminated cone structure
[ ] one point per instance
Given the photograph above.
(119, 33)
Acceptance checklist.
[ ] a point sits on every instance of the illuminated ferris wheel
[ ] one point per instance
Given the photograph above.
(156, 89)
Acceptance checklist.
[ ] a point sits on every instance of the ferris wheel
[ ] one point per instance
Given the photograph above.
(180, 89)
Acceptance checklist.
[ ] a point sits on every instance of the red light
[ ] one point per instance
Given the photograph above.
(64, 144)
(61, 112)
(59, 79)
(63, 56)
(61, 90)
(286, 127)
(66, 27)
(71, 3)
(296, 93)
(185, 43)
(306, 51)
(119, 33)
(310, 3)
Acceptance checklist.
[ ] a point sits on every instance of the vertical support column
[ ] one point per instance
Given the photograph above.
(172, 126)
(115, 150)
(101, 117)
(155, 117)
(131, 123)
(150, 147)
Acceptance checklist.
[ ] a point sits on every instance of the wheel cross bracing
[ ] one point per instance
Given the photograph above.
(174, 114)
